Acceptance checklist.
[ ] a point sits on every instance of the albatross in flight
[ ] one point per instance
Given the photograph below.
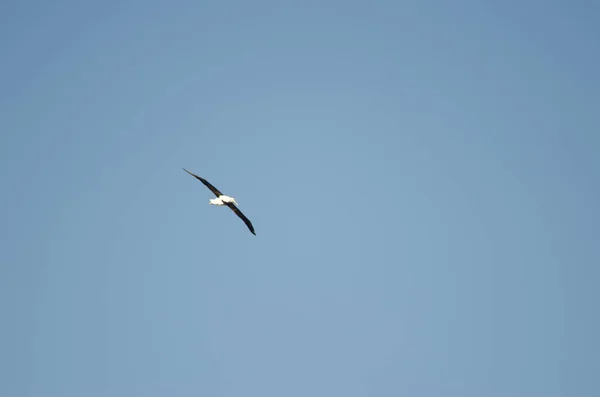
(224, 200)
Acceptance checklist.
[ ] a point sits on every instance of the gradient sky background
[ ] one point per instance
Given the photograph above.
(423, 178)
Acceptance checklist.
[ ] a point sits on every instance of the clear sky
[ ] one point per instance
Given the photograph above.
(423, 178)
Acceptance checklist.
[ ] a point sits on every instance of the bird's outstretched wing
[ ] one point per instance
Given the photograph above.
(239, 213)
(206, 183)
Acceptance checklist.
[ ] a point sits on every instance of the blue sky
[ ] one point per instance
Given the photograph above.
(422, 177)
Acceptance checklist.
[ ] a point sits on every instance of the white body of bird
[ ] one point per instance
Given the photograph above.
(222, 200)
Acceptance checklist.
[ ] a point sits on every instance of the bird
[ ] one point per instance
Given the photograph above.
(224, 200)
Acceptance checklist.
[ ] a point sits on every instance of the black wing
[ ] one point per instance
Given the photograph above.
(206, 183)
(239, 213)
